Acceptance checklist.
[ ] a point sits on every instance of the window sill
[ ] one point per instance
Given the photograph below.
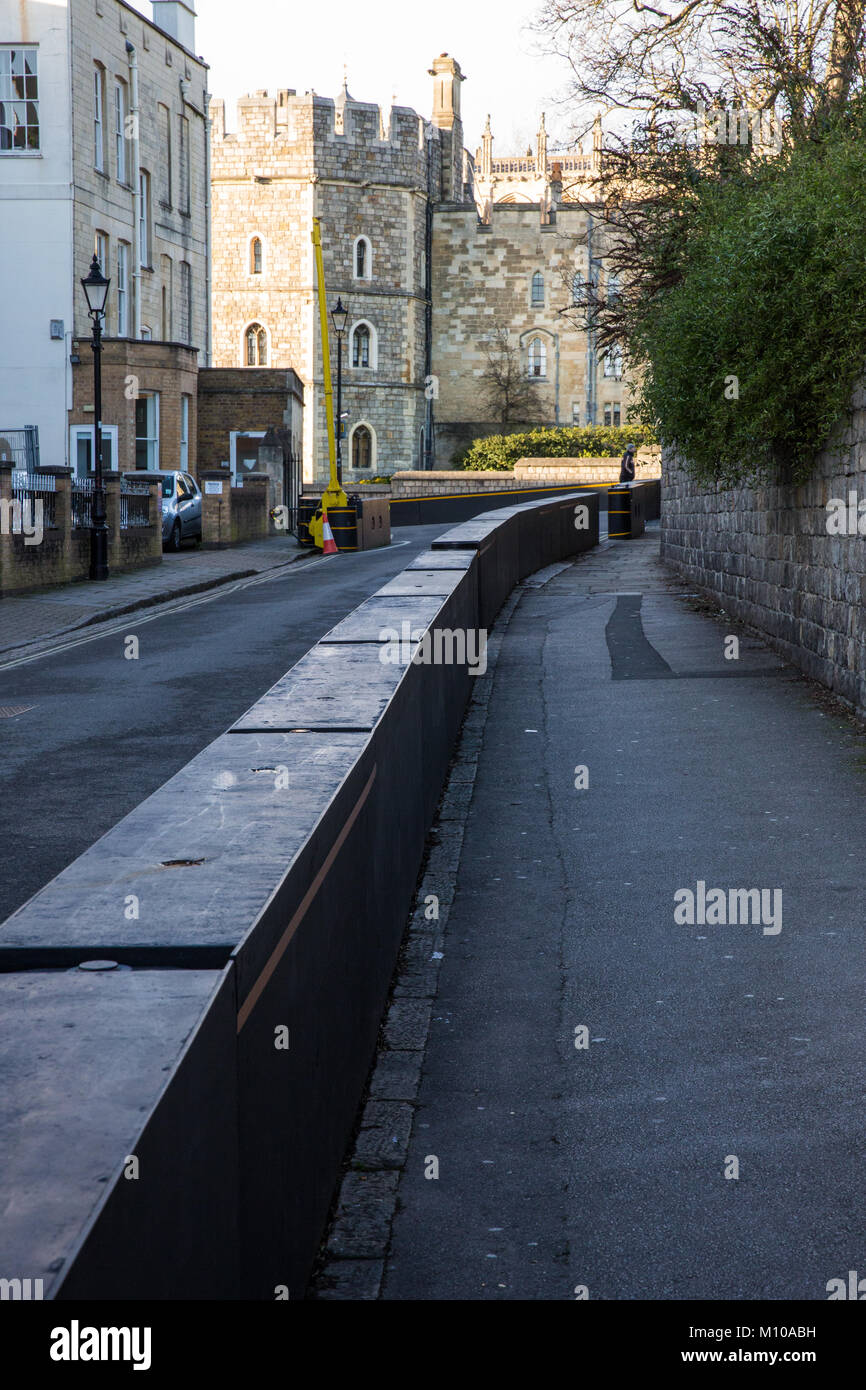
(21, 154)
(102, 174)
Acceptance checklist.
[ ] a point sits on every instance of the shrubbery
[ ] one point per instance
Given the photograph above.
(750, 361)
(501, 451)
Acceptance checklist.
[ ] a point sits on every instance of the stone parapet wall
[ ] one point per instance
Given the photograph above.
(768, 557)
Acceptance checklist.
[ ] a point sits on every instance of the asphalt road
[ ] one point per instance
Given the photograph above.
(104, 731)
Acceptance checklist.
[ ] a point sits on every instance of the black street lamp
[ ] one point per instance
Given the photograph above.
(340, 317)
(95, 288)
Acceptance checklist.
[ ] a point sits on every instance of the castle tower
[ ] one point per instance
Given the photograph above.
(447, 81)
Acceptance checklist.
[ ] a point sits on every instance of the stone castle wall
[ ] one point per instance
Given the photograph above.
(767, 555)
(482, 277)
(295, 158)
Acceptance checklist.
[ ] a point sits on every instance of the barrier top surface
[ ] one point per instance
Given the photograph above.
(333, 687)
(470, 535)
(442, 560)
(195, 863)
(84, 1057)
(372, 617)
(408, 581)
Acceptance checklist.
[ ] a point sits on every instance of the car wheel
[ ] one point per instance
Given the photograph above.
(174, 538)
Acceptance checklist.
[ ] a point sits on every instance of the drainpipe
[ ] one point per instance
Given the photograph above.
(136, 190)
(207, 233)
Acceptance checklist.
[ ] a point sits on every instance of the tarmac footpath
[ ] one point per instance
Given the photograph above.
(628, 1097)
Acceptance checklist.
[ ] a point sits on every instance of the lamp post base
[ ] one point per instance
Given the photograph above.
(99, 553)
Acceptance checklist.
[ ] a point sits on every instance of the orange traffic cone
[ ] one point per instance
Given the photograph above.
(329, 545)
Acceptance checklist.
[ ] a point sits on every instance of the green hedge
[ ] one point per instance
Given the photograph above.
(501, 451)
(750, 361)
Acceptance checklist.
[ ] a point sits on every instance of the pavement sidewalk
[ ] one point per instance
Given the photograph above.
(47, 613)
(703, 1138)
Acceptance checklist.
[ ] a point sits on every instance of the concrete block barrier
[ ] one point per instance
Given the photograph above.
(254, 906)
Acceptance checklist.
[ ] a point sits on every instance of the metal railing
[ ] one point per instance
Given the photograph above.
(30, 488)
(20, 446)
(134, 504)
(82, 502)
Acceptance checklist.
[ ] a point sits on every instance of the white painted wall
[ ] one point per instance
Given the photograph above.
(36, 273)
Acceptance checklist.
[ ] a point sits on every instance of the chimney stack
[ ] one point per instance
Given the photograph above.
(177, 19)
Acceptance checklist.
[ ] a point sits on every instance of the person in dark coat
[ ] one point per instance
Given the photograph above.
(626, 467)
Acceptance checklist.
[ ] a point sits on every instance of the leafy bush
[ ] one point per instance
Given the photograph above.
(501, 451)
(749, 362)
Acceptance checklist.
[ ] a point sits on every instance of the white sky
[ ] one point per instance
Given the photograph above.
(388, 46)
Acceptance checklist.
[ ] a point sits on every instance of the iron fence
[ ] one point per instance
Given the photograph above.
(82, 502)
(28, 489)
(134, 504)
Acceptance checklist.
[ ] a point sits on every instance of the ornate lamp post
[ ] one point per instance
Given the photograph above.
(340, 317)
(95, 287)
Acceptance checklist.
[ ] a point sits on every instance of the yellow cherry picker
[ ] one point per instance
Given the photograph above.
(333, 497)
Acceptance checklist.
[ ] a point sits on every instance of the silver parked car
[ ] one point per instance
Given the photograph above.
(181, 507)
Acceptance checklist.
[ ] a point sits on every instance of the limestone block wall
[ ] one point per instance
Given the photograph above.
(482, 276)
(768, 556)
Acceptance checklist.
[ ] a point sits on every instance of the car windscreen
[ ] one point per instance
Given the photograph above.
(168, 486)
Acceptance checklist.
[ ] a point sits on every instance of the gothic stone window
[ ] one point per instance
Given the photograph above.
(361, 346)
(256, 256)
(613, 362)
(538, 290)
(257, 346)
(362, 447)
(362, 259)
(537, 358)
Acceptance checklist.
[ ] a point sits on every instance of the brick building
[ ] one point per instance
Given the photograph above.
(104, 150)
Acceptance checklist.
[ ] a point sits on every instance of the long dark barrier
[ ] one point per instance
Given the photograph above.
(190, 1008)
(427, 511)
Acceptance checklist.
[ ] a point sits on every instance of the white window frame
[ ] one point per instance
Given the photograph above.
(234, 436)
(184, 432)
(374, 448)
(374, 346)
(102, 250)
(120, 129)
(99, 118)
(186, 301)
(152, 439)
(122, 297)
(77, 432)
(368, 267)
(184, 162)
(144, 219)
(13, 99)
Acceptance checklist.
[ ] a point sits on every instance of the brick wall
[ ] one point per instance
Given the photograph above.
(231, 399)
(767, 555)
(131, 368)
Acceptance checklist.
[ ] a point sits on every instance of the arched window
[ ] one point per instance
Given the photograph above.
(363, 266)
(577, 290)
(538, 290)
(361, 346)
(613, 290)
(537, 358)
(613, 362)
(256, 339)
(256, 256)
(362, 447)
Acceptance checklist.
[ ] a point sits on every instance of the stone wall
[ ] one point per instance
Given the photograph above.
(295, 158)
(172, 87)
(768, 557)
(482, 277)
